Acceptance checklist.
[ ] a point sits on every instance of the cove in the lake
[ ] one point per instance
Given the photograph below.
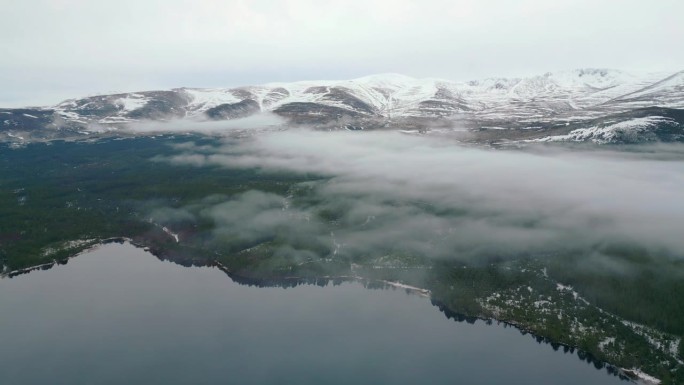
(118, 315)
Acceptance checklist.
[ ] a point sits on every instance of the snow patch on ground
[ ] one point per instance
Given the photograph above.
(15, 136)
(609, 340)
(132, 102)
(541, 303)
(66, 246)
(657, 339)
(167, 231)
(610, 132)
(206, 98)
(420, 291)
(563, 288)
(643, 376)
(72, 116)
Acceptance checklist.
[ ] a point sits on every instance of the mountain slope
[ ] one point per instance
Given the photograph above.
(524, 105)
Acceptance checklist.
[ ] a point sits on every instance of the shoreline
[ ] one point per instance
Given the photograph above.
(635, 375)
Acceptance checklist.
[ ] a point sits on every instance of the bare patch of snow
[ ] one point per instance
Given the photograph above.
(608, 340)
(419, 290)
(167, 231)
(643, 376)
(132, 102)
(609, 132)
(11, 135)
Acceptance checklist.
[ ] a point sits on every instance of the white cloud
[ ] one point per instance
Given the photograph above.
(437, 198)
(261, 121)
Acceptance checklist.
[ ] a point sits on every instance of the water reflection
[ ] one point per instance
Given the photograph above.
(117, 315)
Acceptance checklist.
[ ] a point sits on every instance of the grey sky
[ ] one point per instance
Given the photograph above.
(55, 49)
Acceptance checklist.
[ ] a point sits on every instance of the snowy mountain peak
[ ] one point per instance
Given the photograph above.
(591, 77)
(378, 101)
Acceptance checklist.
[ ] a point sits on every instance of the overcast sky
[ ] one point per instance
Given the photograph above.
(57, 49)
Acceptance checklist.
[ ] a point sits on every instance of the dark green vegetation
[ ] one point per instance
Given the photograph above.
(52, 193)
(61, 197)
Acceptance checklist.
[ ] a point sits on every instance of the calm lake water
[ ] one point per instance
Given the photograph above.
(118, 315)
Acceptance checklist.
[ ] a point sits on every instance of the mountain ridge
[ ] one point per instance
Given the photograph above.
(554, 99)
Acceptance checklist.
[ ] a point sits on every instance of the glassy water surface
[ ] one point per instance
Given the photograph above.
(119, 315)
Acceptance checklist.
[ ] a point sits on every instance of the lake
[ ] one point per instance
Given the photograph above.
(119, 315)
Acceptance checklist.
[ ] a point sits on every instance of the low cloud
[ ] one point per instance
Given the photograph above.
(385, 192)
(261, 121)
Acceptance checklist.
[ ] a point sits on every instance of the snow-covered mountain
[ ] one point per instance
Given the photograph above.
(549, 106)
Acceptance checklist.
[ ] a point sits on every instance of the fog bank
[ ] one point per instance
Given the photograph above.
(388, 193)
